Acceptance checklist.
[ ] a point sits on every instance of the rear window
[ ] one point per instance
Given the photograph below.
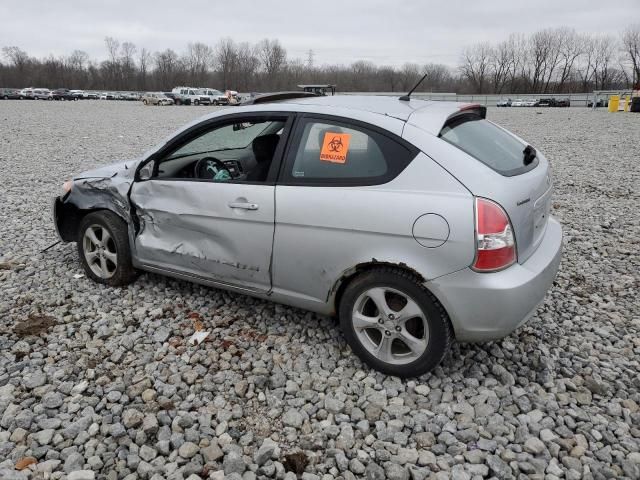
(487, 143)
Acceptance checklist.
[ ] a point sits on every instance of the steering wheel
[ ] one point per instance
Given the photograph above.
(209, 168)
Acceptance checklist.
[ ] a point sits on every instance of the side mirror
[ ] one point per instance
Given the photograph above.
(146, 172)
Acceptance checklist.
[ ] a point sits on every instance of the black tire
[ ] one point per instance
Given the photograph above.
(196, 102)
(144, 102)
(124, 272)
(440, 332)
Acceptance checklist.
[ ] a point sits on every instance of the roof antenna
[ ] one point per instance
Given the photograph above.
(407, 97)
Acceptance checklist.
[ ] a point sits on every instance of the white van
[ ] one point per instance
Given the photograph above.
(216, 96)
(193, 94)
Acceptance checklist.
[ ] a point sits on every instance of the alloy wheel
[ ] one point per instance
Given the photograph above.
(99, 251)
(390, 325)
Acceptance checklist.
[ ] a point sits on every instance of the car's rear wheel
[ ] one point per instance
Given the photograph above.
(144, 101)
(103, 246)
(196, 103)
(393, 323)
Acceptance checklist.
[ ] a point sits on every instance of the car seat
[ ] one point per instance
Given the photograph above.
(264, 148)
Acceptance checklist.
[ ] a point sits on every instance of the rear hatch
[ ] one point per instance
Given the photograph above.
(516, 175)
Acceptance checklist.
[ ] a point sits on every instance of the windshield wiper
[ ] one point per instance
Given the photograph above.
(529, 155)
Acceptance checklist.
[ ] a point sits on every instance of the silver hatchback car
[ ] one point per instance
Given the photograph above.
(414, 222)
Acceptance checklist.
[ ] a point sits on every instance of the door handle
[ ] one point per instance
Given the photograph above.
(243, 205)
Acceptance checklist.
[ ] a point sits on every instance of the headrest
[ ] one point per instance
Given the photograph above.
(265, 146)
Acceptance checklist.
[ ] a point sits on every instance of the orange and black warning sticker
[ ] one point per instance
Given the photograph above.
(335, 147)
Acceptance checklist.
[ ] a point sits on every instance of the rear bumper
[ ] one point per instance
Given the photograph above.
(489, 306)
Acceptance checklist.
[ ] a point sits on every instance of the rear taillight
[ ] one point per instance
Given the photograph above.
(496, 246)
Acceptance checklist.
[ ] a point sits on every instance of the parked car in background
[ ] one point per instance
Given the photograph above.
(531, 102)
(215, 96)
(9, 94)
(63, 94)
(178, 98)
(193, 95)
(599, 103)
(156, 98)
(107, 96)
(461, 243)
(233, 96)
(546, 102)
(518, 102)
(77, 94)
(565, 102)
(90, 96)
(26, 94)
(42, 94)
(504, 103)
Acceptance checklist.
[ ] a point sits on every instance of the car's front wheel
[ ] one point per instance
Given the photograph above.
(103, 246)
(393, 323)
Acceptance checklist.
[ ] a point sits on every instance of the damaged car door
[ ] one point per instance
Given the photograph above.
(205, 204)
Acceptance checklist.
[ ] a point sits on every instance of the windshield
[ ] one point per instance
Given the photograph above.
(229, 137)
(487, 143)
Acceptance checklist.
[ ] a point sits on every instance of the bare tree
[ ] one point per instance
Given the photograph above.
(605, 50)
(437, 77)
(226, 60)
(18, 57)
(571, 47)
(247, 62)
(273, 57)
(631, 45)
(143, 61)
(111, 67)
(388, 77)
(113, 46)
(586, 61)
(544, 49)
(78, 59)
(409, 75)
(500, 59)
(167, 65)
(475, 65)
(127, 62)
(517, 54)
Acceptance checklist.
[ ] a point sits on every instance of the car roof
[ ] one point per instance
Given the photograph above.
(386, 112)
(382, 105)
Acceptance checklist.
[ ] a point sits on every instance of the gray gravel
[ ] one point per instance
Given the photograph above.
(112, 391)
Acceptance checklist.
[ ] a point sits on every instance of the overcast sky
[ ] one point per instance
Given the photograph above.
(383, 31)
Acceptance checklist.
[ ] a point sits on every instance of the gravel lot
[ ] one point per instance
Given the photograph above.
(97, 379)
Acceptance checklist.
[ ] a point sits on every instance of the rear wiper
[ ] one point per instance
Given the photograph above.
(529, 154)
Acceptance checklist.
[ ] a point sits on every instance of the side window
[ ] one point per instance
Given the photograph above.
(330, 152)
(241, 150)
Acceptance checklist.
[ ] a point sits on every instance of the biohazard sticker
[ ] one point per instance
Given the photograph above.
(335, 147)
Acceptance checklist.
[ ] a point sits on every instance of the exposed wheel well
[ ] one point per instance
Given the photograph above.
(69, 219)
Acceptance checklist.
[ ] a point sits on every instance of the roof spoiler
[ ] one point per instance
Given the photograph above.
(474, 108)
(274, 97)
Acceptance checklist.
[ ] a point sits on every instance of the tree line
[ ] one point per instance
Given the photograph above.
(558, 60)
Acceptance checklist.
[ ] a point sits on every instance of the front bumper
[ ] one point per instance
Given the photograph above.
(55, 209)
(489, 306)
